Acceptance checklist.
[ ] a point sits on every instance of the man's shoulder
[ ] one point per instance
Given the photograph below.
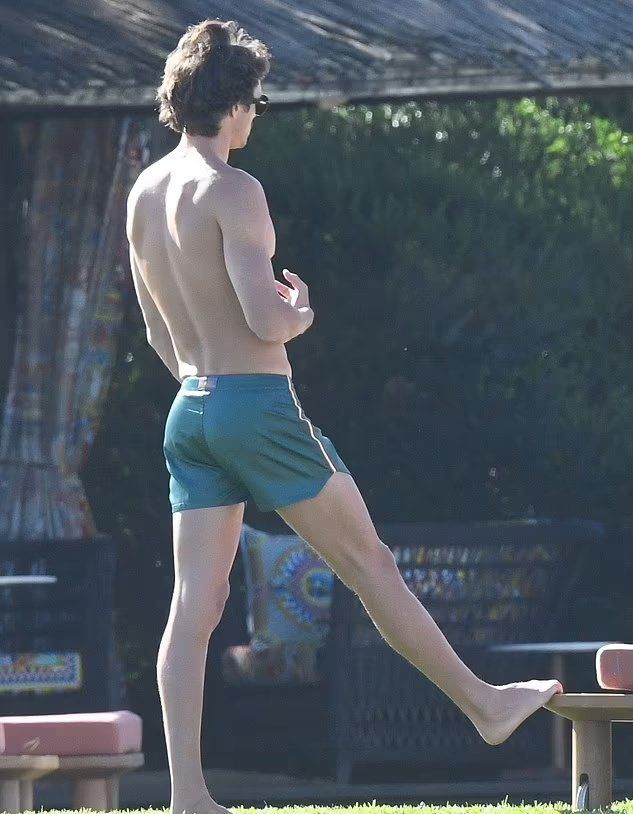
(235, 193)
(240, 189)
(238, 181)
(153, 173)
(144, 183)
(229, 194)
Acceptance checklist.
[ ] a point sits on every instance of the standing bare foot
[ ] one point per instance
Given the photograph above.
(509, 705)
(204, 805)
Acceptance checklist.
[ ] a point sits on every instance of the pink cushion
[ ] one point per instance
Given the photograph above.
(614, 666)
(76, 733)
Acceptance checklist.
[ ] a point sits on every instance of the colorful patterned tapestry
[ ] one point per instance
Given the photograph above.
(75, 279)
(40, 672)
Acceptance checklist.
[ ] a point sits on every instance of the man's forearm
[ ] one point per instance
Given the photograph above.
(307, 318)
(288, 324)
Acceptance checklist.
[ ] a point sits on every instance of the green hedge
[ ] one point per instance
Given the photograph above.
(470, 269)
(478, 253)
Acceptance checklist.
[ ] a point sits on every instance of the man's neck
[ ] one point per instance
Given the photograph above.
(213, 149)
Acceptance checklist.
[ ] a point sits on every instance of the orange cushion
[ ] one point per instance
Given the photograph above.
(76, 733)
(276, 664)
(614, 666)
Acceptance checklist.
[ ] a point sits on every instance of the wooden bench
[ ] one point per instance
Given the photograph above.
(17, 773)
(91, 750)
(60, 606)
(591, 715)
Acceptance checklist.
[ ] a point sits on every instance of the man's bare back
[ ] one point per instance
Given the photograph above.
(184, 216)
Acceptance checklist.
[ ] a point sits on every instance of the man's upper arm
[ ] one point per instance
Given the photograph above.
(242, 214)
(154, 322)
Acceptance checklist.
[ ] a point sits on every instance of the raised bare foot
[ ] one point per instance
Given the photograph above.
(205, 805)
(509, 705)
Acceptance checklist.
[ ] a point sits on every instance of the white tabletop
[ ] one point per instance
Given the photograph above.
(26, 579)
(550, 647)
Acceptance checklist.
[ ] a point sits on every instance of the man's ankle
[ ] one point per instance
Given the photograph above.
(481, 700)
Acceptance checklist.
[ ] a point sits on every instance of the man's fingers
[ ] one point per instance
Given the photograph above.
(295, 278)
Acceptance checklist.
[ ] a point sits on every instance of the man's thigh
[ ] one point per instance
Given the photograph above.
(337, 524)
(205, 545)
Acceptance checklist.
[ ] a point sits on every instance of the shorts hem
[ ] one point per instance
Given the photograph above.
(305, 494)
(182, 507)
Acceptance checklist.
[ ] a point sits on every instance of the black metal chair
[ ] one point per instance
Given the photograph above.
(73, 614)
(482, 583)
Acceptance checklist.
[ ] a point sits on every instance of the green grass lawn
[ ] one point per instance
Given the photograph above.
(503, 807)
(623, 806)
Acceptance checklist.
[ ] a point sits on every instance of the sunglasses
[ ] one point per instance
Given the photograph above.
(261, 104)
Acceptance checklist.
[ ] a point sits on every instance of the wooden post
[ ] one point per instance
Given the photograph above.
(112, 784)
(90, 792)
(10, 796)
(26, 795)
(591, 757)
(560, 726)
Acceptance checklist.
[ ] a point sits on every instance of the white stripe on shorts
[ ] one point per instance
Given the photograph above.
(304, 417)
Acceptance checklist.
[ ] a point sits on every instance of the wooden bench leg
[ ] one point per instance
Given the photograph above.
(26, 795)
(591, 780)
(17, 773)
(90, 792)
(113, 792)
(10, 796)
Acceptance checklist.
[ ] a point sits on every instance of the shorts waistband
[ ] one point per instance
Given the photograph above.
(235, 381)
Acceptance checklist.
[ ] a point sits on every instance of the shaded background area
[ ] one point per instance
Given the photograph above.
(12, 181)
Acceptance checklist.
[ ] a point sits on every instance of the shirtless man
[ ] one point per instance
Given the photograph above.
(201, 243)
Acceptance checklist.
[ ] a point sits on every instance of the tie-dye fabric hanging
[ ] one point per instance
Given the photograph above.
(76, 278)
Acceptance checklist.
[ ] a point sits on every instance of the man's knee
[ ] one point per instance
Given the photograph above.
(201, 613)
(363, 565)
(382, 557)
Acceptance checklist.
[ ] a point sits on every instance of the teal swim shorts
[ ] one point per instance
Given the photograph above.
(235, 436)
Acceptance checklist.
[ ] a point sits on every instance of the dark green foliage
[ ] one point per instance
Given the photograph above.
(472, 253)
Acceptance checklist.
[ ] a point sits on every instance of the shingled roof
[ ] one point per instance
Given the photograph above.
(111, 53)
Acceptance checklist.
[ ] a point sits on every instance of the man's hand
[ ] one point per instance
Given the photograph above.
(285, 293)
(297, 295)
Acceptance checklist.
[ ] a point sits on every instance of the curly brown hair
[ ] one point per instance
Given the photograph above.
(215, 66)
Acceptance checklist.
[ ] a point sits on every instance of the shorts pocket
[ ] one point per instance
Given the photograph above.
(183, 426)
